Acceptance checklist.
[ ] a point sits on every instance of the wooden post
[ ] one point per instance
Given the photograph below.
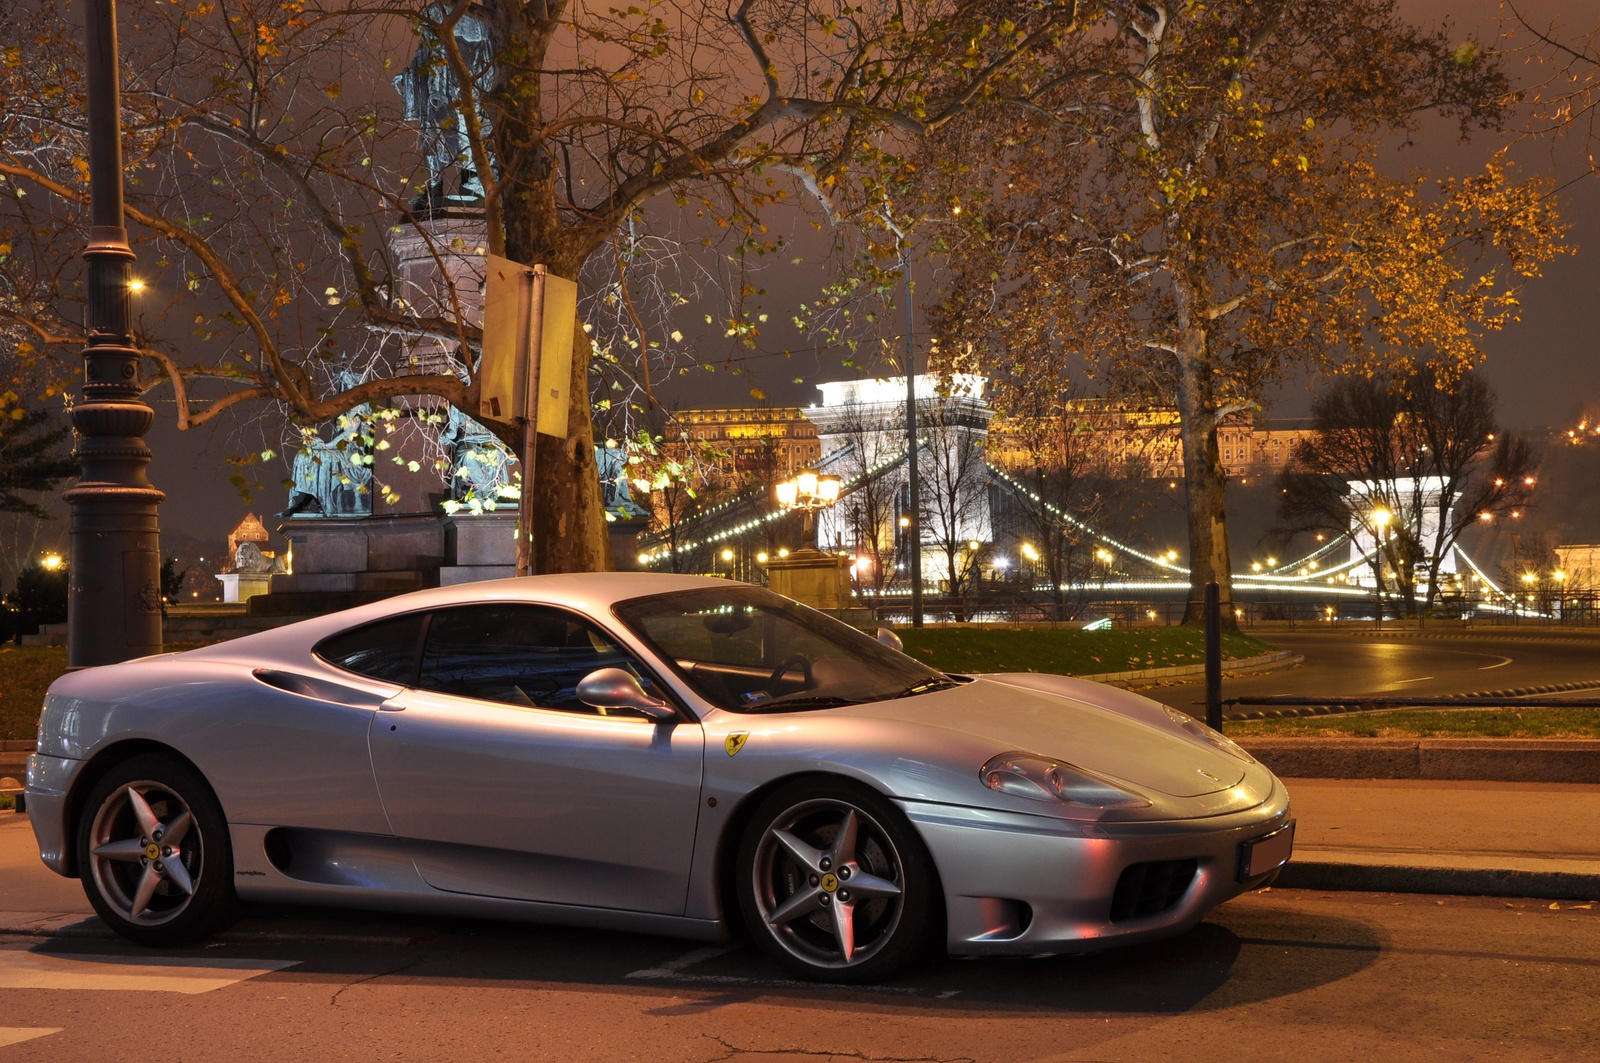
(533, 334)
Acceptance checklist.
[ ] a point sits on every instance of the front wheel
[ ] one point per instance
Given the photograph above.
(834, 883)
(154, 853)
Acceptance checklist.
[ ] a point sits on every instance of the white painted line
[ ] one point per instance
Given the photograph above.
(1419, 679)
(46, 970)
(15, 1035)
(1500, 664)
(672, 967)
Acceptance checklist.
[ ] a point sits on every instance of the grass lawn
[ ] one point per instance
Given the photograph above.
(1068, 651)
(26, 672)
(1422, 723)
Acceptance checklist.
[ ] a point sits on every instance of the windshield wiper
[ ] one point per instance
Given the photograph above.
(936, 683)
(816, 702)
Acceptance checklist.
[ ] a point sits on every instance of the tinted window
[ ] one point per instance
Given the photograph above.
(749, 650)
(385, 650)
(518, 655)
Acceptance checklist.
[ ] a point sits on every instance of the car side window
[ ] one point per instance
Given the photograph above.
(385, 650)
(524, 655)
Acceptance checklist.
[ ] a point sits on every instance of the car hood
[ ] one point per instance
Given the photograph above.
(1150, 756)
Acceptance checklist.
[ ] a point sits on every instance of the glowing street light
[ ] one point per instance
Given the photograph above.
(727, 555)
(51, 561)
(808, 492)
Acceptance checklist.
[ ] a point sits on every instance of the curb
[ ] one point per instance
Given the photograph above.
(1293, 711)
(1473, 882)
(1568, 760)
(1282, 658)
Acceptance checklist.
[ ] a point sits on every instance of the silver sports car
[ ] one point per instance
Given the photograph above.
(669, 754)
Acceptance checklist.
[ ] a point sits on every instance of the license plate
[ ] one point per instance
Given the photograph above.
(1260, 855)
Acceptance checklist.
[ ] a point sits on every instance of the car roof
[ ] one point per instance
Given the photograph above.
(592, 593)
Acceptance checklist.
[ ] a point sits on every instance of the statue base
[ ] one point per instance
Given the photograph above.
(817, 579)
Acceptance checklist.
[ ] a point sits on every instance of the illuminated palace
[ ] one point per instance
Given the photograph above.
(764, 444)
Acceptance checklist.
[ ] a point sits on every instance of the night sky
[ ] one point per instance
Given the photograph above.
(1545, 369)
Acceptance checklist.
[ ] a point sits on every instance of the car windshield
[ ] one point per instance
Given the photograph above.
(748, 650)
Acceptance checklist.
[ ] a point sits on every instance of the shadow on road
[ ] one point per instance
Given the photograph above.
(1243, 953)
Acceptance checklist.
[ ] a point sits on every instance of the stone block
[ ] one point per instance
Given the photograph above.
(481, 539)
(395, 582)
(403, 544)
(812, 578)
(318, 545)
(313, 582)
(452, 575)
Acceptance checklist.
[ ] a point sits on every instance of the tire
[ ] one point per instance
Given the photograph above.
(855, 911)
(125, 835)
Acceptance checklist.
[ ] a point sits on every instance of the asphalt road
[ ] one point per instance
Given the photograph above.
(1280, 975)
(1338, 663)
(1284, 975)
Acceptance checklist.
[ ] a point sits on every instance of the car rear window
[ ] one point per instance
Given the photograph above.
(384, 650)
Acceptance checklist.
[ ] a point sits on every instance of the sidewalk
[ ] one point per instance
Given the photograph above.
(1505, 839)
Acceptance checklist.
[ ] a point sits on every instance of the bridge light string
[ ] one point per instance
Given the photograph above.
(1261, 580)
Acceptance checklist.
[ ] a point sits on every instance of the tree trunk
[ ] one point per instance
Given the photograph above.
(569, 526)
(1205, 481)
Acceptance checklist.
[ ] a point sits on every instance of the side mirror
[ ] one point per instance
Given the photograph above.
(891, 640)
(612, 688)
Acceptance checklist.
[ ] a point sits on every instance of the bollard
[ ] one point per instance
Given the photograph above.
(1213, 657)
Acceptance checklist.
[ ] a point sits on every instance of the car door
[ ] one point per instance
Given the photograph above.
(504, 784)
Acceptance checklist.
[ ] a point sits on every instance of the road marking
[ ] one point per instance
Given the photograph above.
(1501, 663)
(15, 1035)
(1419, 679)
(46, 970)
(671, 968)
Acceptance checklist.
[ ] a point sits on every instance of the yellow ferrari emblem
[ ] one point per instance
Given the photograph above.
(830, 883)
(735, 742)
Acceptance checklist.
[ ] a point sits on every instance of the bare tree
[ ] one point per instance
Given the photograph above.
(867, 510)
(1407, 462)
(1068, 473)
(955, 485)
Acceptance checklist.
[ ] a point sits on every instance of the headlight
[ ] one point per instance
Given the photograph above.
(1206, 734)
(1043, 779)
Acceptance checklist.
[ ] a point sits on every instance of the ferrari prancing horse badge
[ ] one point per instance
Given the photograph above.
(735, 742)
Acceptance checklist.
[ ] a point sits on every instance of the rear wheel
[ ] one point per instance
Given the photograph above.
(154, 853)
(834, 883)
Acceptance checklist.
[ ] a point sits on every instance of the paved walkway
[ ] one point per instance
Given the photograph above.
(1532, 832)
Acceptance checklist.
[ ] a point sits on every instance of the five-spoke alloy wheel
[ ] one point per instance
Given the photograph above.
(833, 882)
(153, 853)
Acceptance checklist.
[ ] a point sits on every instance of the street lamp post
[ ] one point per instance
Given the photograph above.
(114, 597)
(913, 533)
(808, 492)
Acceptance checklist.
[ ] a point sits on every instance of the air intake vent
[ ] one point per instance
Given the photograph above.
(1151, 888)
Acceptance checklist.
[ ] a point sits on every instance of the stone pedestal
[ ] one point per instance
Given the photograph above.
(361, 554)
(813, 578)
(479, 546)
(242, 586)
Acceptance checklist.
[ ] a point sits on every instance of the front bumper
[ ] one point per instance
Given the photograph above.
(1024, 885)
(49, 780)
